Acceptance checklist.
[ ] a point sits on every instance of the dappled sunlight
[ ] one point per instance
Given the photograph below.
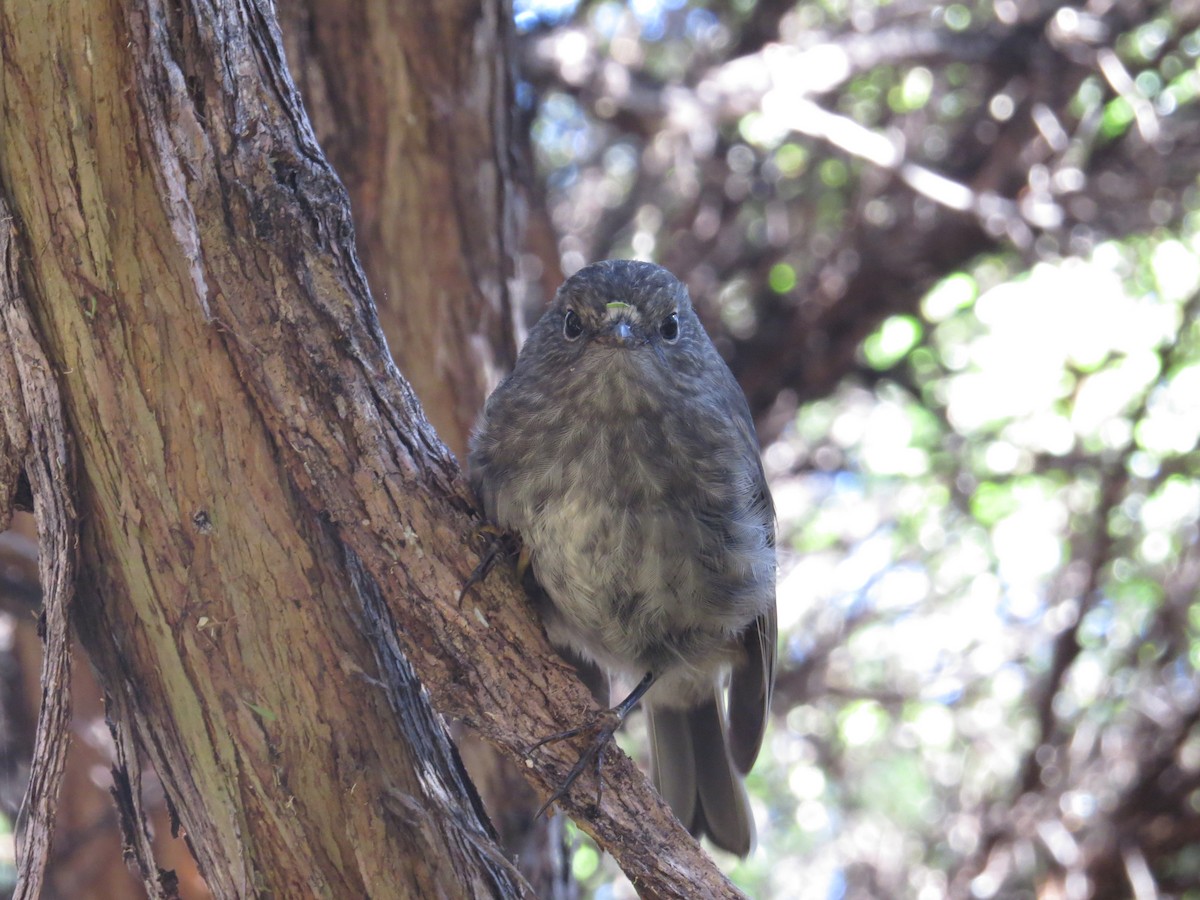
(923, 625)
(962, 298)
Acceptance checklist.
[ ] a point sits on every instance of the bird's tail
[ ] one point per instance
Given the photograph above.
(692, 770)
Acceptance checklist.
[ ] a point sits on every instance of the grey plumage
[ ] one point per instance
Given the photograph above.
(622, 451)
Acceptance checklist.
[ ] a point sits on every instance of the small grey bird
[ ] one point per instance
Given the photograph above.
(622, 452)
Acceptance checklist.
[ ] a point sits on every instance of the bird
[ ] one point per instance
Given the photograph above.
(621, 452)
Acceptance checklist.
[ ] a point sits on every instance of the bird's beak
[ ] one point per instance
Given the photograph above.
(619, 333)
(618, 330)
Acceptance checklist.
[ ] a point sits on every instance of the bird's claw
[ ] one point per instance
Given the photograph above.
(498, 542)
(605, 727)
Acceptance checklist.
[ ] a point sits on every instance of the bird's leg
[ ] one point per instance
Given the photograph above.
(499, 543)
(605, 727)
(523, 559)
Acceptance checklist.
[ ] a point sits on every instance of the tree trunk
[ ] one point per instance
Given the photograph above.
(410, 103)
(271, 536)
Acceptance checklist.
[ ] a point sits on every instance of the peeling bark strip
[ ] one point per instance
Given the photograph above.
(232, 398)
(14, 424)
(131, 813)
(34, 428)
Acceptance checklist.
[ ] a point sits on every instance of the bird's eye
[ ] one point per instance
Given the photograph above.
(669, 329)
(572, 325)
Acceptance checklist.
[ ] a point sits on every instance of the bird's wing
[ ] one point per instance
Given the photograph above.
(750, 691)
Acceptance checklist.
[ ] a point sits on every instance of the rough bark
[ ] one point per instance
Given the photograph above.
(35, 434)
(272, 531)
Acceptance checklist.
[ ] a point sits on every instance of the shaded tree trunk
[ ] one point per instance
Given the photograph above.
(411, 104)
(270, 535)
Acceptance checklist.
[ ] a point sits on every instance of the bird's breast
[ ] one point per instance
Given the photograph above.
(637, 520)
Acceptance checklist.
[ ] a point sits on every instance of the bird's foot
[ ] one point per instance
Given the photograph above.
(497, 543)
(604, 726)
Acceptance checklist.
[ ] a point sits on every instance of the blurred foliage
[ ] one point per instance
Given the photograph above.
(953, 253)
(992, 609)
(8, 868)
